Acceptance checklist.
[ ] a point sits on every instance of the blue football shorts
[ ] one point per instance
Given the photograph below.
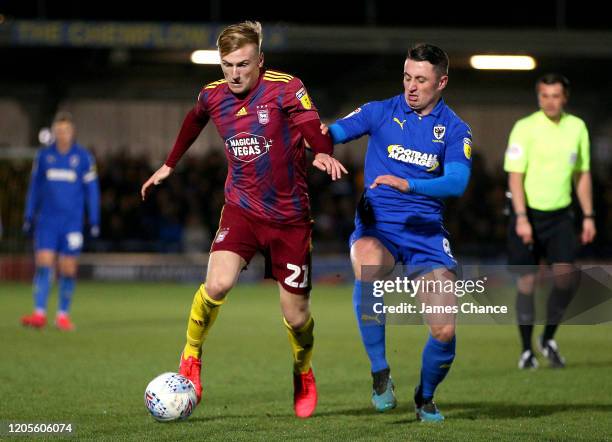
(421, 249)
(62, 239)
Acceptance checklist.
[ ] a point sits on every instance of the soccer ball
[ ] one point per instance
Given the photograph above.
(170, 396)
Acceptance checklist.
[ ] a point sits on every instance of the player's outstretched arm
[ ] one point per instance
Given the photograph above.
(322, 146)
(337, 134)
(156, 179)
(452, 184)
(392, 181)
(329, 164)
(193, 124)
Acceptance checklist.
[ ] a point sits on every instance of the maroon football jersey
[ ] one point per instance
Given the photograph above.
(264, 149)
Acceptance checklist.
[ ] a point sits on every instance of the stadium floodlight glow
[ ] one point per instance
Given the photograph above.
(503, 62)
(205, 57)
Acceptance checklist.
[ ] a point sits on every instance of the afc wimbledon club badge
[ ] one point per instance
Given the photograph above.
(263, 115)
(439, 131)
(302, 95)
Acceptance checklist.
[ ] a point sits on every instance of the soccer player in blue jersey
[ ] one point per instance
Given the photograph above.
(63, 183)
(419, 153)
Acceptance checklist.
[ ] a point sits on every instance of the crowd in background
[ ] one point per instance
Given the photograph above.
(182, 214)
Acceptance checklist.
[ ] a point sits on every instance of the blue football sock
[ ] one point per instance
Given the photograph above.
(437, 359)
(66, 289)
(372, 333)
(42, 286)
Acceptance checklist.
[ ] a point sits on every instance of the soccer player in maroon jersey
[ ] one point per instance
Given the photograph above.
(264, 118)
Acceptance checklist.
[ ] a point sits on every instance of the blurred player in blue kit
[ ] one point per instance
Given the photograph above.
(63, 184)
(419, 152)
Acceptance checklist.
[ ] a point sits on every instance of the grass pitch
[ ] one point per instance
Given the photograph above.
(127, 334)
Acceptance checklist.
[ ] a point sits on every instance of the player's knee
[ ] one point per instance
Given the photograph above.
(67, 268)
(367, 250)
(370, 259)
(297, 319)
(45, 259)
(564, 277)
(526, 283)
(563, 283)
(218, 288)
(443, 333)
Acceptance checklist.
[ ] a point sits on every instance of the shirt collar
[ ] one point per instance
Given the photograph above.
(434, 112)
(545, 118)
(57, 151)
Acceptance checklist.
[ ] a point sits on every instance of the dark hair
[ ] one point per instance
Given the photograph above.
(63, 117)
(433, 54)
(554, 78)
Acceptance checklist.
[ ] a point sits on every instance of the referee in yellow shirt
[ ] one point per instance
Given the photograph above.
(545, 151)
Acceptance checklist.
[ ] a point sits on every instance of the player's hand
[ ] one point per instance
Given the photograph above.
(391, 181)
(94, 231)
(156, 179)
(329, 164)
(26, 228)
(588, 231)
(324, 128)
(524, 230)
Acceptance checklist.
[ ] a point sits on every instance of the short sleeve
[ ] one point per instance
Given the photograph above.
(583, 160)
(515, 159)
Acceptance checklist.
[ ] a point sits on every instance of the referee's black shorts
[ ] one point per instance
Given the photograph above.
(554, 238)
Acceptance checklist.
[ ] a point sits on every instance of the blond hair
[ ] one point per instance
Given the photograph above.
(239, 35)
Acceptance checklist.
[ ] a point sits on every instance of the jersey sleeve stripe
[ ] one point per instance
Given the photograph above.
(278, 75)
(90, 176)
(272, 71)
(214, 84)
(280, 80)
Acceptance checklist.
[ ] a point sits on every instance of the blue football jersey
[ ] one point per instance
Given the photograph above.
(407, 145)
(62, 186)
